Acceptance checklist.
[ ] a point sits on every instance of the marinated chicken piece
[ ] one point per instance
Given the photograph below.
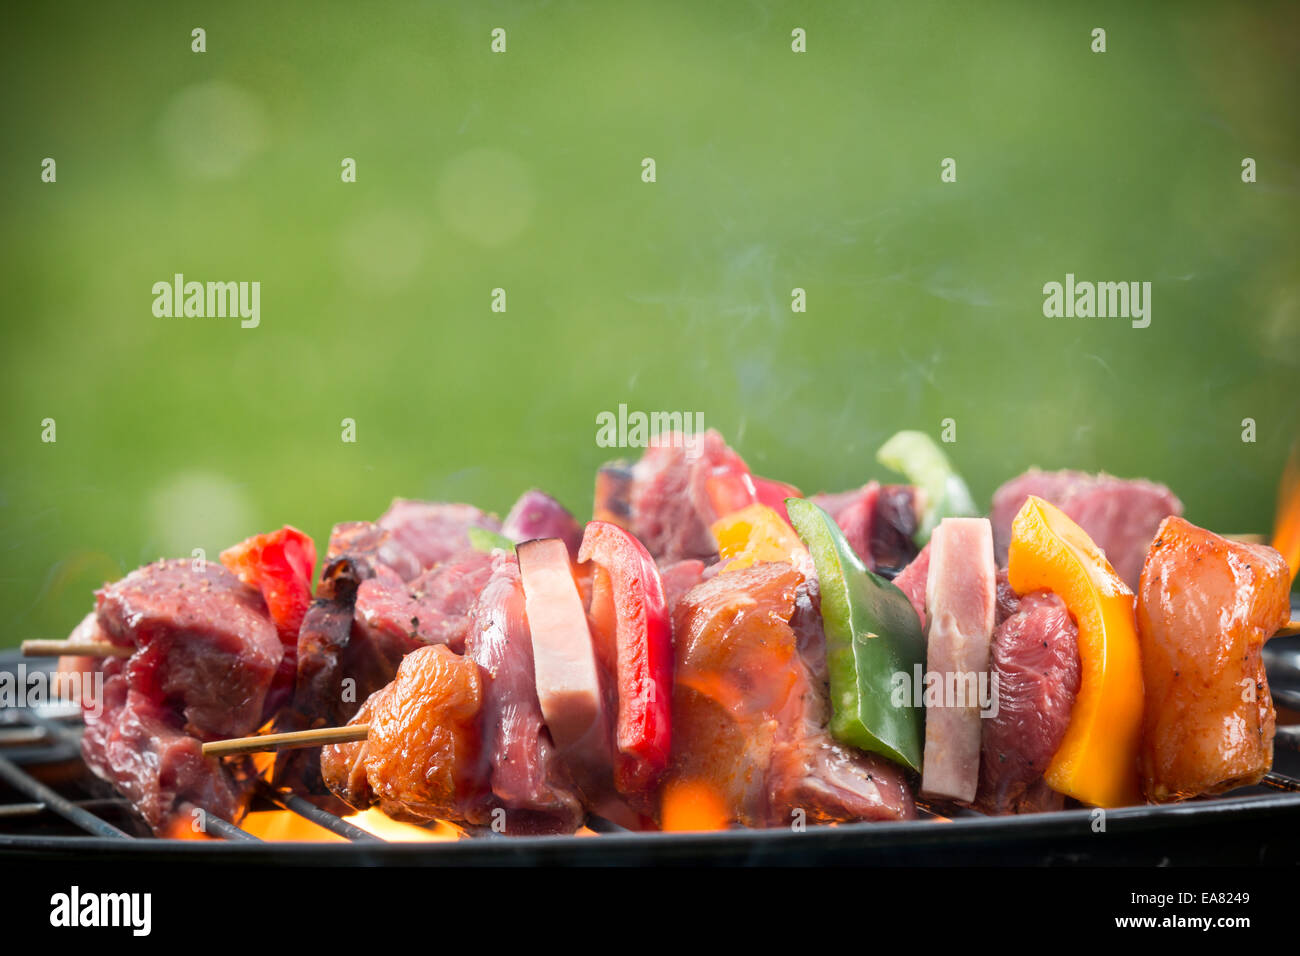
(679, 577)
(343, 766)
(342, 770)
(749, 714)
(1206, 606)
(423, 758)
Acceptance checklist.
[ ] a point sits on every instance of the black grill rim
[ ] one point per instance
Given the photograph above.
(1002, 838)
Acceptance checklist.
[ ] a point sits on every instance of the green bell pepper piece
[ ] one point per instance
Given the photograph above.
(872, 633)
(481, 539)
(916, 455)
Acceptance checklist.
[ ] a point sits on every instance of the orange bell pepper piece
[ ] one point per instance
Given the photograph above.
(1097, 761)
(754, 534)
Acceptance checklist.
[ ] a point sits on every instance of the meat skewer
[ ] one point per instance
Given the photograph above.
(416, 666)
(389, 587)
(201, 657)
(264, 743)
(43, 647)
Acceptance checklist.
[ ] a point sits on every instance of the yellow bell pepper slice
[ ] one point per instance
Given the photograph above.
(754, 534)
(1097, 761)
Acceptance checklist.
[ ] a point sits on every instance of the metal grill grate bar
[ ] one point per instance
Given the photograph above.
(33, 788)
(36, 809)
(601, 825)
(213, 824)
(322, 818)
(1280, 781)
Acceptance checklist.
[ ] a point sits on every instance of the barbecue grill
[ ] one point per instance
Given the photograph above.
(52, 808)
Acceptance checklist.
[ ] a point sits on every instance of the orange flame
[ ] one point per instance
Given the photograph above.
(693, 805)
(284, 826)
(380, 824)
(1286, 529)
(287, 826)
(182, 828)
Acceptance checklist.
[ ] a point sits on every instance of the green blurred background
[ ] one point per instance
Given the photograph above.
(523, 171)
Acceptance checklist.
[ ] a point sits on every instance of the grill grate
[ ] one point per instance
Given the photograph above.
(50, 799)
(39, 729)
(25, 728)
(40, 756)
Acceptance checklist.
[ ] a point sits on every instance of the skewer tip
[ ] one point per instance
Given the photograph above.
(46, 648)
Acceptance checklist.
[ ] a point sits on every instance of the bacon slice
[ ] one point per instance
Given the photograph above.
(568, 679)
(961, 594)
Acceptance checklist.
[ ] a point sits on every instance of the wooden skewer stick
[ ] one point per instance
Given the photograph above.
(1291, 630)
(289, 741)
(42, 648)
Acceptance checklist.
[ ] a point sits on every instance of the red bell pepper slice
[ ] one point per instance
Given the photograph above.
(773, 494)
(733, 487)
(280, 564)
(643, 651)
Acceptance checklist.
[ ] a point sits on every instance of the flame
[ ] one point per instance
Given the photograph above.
(286, 826)
(1286, 528)
(181, 828)
(692, 805)
(380, 824)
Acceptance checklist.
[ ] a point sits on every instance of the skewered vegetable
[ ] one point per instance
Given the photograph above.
(872, 633)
